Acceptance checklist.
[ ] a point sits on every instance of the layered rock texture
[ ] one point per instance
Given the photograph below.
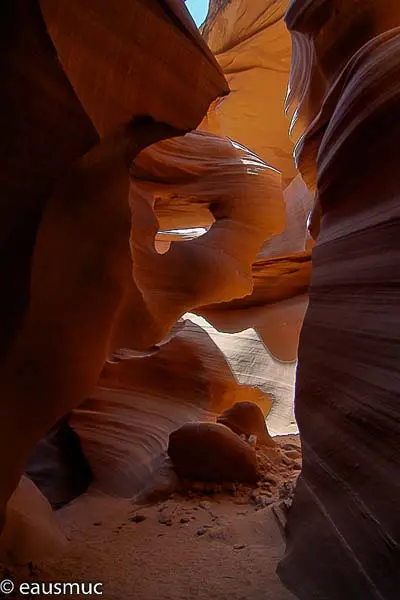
(155, 248)
(72, 273)
(253, 47)
(204, 228)
(343, 530)
(215, 238)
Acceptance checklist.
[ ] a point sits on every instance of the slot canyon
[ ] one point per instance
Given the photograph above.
(200, 321)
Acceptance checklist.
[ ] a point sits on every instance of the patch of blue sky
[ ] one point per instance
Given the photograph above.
(198, 9)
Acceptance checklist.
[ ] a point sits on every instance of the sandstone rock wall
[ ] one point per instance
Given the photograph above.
(343, 530)
(253, 47)
(72, 270)
(202, 197)
(100, 290)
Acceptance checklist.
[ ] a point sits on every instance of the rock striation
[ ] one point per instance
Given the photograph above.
(209, 184)
(73, 271)
(343, 530)
(253, 47)
(163, 276)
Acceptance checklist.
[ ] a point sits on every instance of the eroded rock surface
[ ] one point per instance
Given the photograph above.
(253, 47)
(79, 272)
(91, 300)
(31, 532)
(58, 466)
(343, 530)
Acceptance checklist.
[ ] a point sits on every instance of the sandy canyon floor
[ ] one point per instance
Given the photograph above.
(184, 547)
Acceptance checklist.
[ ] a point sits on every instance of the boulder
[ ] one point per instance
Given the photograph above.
(211, 452)
(246, 418)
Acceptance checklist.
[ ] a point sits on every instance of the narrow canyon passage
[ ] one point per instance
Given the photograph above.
(199, 356)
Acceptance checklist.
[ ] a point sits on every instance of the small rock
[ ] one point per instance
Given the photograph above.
(184, 520)
(288, 503)
(252, 440)
(263, 502)
(297, 466)
(218, 534)
(290, 447)
(201, 530)
(97, 523)
(285, 490)
(165, 520)
(239, 546)
(138, 518)
(259, 499)
(271, 478)
(205, 504)
(293, 454)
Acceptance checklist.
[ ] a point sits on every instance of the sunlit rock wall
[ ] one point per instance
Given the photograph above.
(111, 278)
(253, 47)
(198, 180)
(212, 209)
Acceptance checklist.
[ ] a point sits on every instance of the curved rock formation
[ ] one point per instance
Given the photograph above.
(59, 467)
(110, 85)
(182, 187)
(81, 265)
(240, 201)
(31, 531)
(43, 128)
(343, 530)
(200, 180)
(252, 45)
(206, 226)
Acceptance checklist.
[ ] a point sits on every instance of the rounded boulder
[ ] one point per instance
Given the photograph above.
(211, 452)
(246, 418)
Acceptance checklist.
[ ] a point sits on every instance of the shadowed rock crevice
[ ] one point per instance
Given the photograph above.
(345, 506)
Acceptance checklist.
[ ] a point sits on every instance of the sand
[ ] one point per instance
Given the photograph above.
(191, 545)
